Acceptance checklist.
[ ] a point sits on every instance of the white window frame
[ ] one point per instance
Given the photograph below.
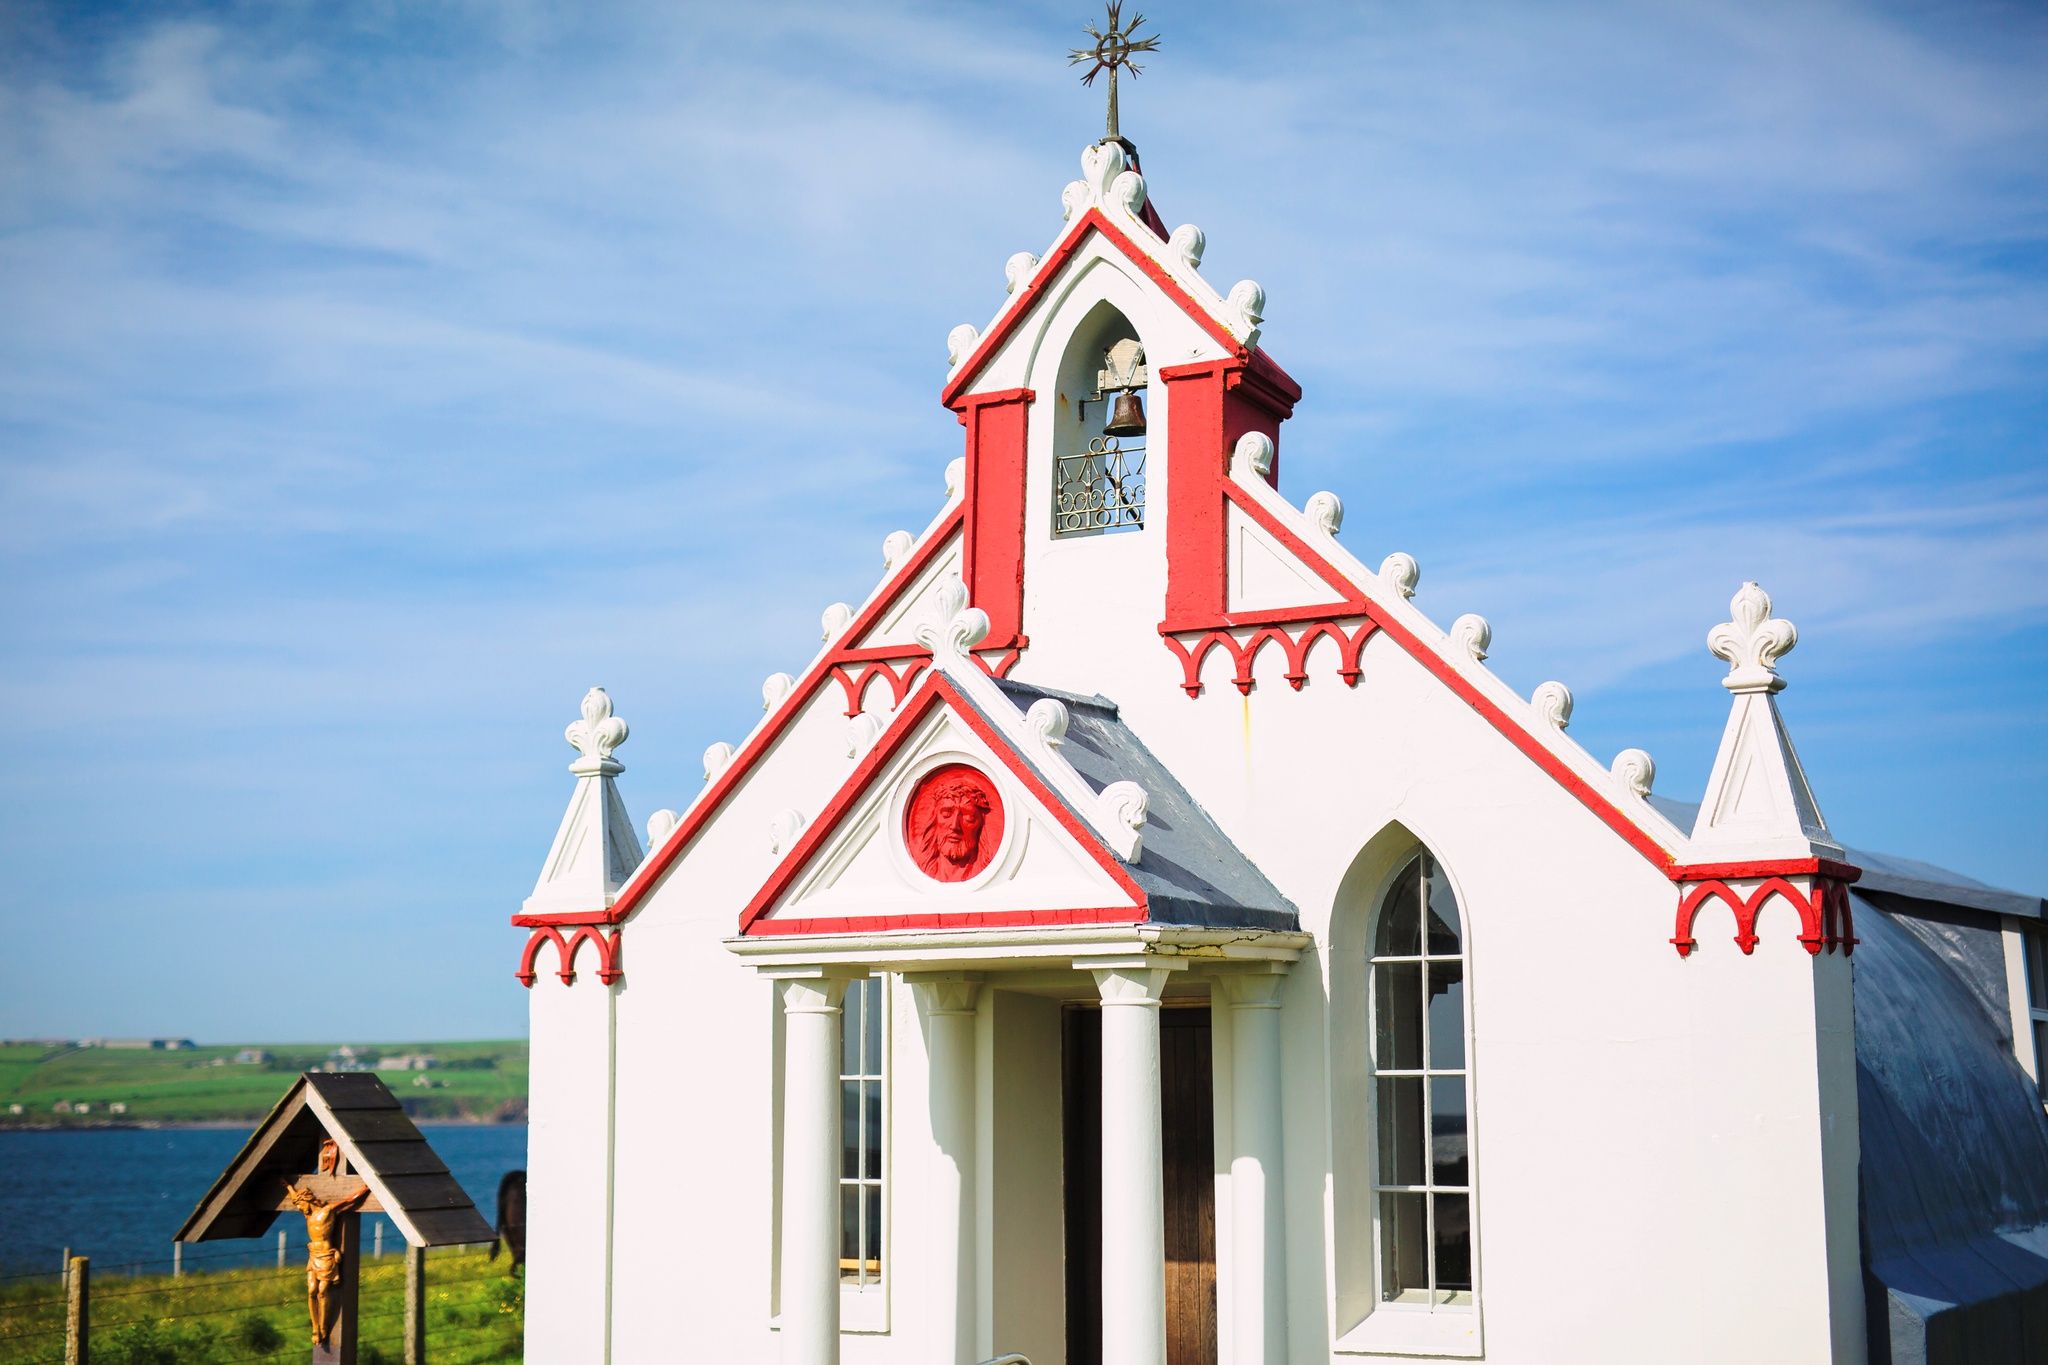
(1459, 1300)
(1389, 1327)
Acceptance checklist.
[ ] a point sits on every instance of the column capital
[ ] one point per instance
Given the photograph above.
(1136, 980)
(811, 990)
(947, 992)
(1257, 987)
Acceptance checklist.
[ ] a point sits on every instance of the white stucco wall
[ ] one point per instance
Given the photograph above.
(1663, 1148)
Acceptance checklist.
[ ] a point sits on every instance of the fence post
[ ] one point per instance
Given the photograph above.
(377, 1241)
(415, 1305)
(177, 1260)
(280, 1248)
(77, 1311)
(64, 1266)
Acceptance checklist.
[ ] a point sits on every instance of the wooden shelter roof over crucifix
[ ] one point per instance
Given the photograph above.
(407, 1182)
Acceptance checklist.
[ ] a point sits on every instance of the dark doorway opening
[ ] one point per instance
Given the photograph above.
(1187, 1127)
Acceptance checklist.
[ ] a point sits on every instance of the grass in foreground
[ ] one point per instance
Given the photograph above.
(475, 1313)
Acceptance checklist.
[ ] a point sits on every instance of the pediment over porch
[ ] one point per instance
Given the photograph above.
(986, 804)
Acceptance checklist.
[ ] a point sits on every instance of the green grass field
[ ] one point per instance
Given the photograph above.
(475, 1313)
(206, 1085)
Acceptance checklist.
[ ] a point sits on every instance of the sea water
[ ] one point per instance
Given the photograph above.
(119, 1194)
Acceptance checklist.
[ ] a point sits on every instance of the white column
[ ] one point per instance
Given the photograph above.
(1258, 1248)
(948, 1004)
(1133, 1183)
(810, 1168)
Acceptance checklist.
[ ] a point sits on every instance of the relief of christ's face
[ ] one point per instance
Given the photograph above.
(954, 824)
(957, 821)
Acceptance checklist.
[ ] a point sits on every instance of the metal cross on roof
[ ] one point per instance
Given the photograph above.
(1112, 50)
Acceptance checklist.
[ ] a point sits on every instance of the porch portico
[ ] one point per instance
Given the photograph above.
(1128, 972)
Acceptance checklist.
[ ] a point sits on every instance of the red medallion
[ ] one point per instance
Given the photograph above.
(954, 823)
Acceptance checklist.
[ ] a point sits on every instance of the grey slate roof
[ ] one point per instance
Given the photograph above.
(1188, 867)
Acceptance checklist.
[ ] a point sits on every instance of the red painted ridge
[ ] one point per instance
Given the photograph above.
(936, 689)
(759, 742)
(1539, 753)
(1026, 299)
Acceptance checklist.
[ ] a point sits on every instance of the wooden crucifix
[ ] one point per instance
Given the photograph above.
(333, 1203)
(338, 1146)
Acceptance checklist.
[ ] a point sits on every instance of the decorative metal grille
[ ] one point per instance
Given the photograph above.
(1102, 489)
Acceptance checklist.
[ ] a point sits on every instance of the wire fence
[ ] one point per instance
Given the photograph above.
(472, 1310)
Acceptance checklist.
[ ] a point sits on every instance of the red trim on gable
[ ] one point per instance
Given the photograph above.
(987, 919)
(934, 690)
(1049, 269)
(758, 743)
(1538, 753)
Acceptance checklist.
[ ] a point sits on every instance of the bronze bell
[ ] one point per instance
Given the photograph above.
(1127, 418)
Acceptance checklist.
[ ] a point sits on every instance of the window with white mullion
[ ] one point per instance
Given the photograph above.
(861, 1164)
(1422, 1181)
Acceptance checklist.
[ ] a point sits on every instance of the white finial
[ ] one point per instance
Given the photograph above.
(1128, 189)
(960, 343)
(1246, 307)
(1188, 242)
(774, 688)
(1752, 642)
(862, 731)
(1018, 269)
(953, 628)
(783, 827)
(1553, 702)
(896, 548)
(596, 735)
(1326, 510)
(956, 478)
(1048, 719)
(835, 619)
(717, 759)
(660, 825)
(1400, 572)
(1636, 769)
(1473, 634)
(1253, 455)
(1126, 805)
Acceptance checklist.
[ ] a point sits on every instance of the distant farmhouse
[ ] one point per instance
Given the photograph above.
(252, 1056)
(142, 1044)
(408, 1061)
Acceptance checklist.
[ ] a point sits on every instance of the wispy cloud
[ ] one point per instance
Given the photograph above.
(376, 377)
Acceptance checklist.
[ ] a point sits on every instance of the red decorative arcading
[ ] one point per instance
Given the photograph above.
(607, 946)
(902, 673)
(1825, 919)
(1295, 641)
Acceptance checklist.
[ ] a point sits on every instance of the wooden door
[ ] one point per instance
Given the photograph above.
(1188, 1156)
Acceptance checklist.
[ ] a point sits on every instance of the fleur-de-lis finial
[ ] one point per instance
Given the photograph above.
(1752, 641)
(596, 734)
(1112, 50)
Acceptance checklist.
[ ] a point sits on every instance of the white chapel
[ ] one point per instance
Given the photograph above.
(1143, 934)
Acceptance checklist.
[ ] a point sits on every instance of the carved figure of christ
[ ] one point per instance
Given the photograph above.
(330, 1203)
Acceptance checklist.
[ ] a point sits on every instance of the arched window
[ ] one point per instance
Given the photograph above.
(1422, 1177)
(1098, 483)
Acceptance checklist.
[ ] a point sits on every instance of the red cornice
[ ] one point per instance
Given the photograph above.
(934, 690)
(1049, 269)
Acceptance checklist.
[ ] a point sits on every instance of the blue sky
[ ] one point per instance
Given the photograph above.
(374, 378)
